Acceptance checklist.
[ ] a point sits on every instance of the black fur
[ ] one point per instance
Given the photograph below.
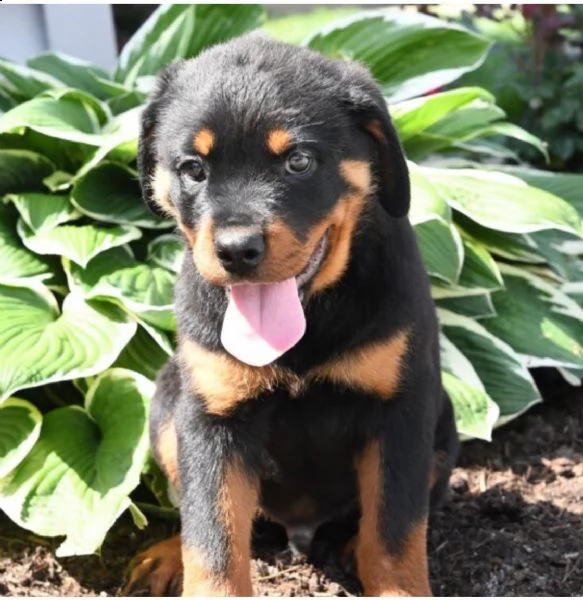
(302, 446)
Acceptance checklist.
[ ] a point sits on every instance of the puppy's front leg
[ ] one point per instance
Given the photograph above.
(393, 475)
(218, 503)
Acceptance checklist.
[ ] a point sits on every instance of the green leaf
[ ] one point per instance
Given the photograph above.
(166, 251)
(143, 355)
(29, 82)
(475, 412)
(20, 424)
(41, 344)
(141, 289)
(502, 372)
(408, 53)
(441, 249)
(19, 265)
(71, 72)
(478, 307)
(537, 320)
(564, 185)
(22, 170)
(439, 242)
(484, 196)
(479, 269)
(182, 31)
(65, 119)
(412, 117)
(76, 480)
(111, 193)
(518, 133)
(295, 28)
(43, 212)
(79, 243)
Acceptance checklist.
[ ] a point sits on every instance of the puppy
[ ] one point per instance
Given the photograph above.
(306, 386)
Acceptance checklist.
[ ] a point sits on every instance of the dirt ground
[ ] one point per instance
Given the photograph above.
(512, 527)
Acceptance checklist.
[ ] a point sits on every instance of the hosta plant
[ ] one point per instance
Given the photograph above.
(88, 272)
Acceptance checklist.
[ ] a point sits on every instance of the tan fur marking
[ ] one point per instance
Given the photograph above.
(375, 369)
(278, 141)
(167, 447)
(198, 580)
(376, 130)
(342, 224)
(161, 182)
(204, 141)
(382, 574)
(239, 498)
(222, 382)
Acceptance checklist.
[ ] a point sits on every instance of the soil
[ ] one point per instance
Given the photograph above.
(513, 526)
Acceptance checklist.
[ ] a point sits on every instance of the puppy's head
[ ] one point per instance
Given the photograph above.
(267, 156)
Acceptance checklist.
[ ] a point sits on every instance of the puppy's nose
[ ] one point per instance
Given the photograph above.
(240, 251)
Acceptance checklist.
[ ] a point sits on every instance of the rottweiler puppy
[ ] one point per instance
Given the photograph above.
(306, 384)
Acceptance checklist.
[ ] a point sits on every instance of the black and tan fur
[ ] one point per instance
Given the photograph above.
(351, 422)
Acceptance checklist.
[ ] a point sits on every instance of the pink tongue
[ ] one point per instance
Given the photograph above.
(263, 321)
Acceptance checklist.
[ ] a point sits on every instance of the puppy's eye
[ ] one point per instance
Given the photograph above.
(298, 162)
(193, 169)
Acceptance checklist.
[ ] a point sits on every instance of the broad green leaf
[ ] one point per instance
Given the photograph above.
(111, 193)
(515, 132)
(64, 155)
(71, 72)
(439, 242)
(475, 412)
(76, 480)
(166, 251)
(29, 82)
(79, 243)
(441, 249)
(182, 31)
(561, 251)
(537, 320)
(408, 53)
(412, 117)
(568, 186)
(143, 355)
(7, 101)
(40, 344)
(502, 372)
(121, 133)
(140, 288)
(65, 119)
(479, 269)
(22, 170)
(58, 181)
(512, 246)
(20, 423)
(485, 196)
(42, 212)
(98, 108)
(478, 307)
(295, 28)
(19, 265)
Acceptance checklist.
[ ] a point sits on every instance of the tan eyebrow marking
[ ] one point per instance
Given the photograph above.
(204, 141)
(278, 141)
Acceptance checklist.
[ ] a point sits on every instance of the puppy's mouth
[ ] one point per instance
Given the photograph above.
(314, 264)
(305, 276)
(266, 319)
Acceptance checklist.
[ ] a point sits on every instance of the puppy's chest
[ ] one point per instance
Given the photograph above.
(222, 383)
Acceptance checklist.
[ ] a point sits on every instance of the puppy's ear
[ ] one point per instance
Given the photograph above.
(154, 191)
(368, 108)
